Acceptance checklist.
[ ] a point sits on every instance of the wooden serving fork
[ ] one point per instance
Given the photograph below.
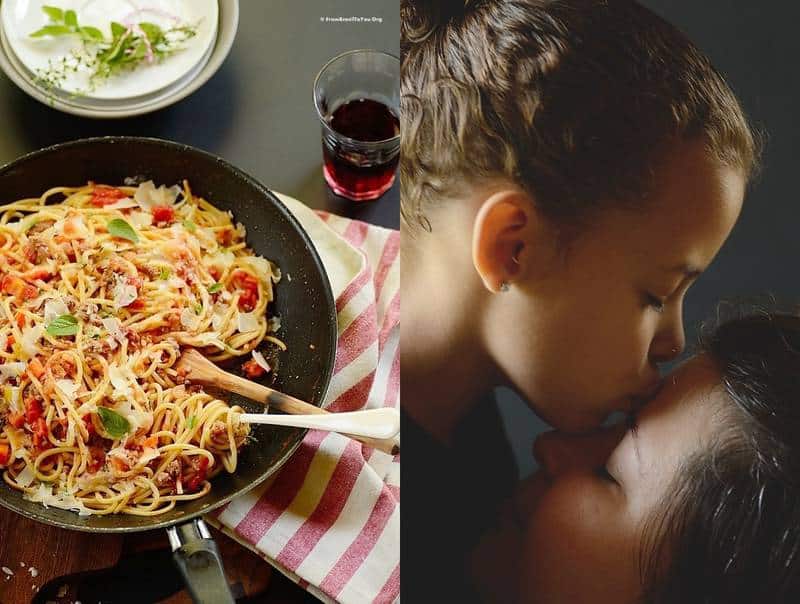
(363, 426)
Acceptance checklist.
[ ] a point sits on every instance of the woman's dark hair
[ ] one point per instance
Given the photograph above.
(575, 101)
(730, 533)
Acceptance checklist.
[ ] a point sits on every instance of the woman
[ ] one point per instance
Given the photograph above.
(697, 501)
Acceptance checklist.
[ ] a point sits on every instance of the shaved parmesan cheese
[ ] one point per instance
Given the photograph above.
(69, 388)
(54, 308)
(30, 340)
(148, 455)
(124, 293)
(11, 370)
(137, 419)
(121, 380)
(218, 316)
(64, 501)
(148, 197)
(122, 204)
(274, 324)
(3, 341)
(141, 219)
(240, 230)
(247, 321)
(26, 477)
(189, 319)
(114, 329)
(262, 362)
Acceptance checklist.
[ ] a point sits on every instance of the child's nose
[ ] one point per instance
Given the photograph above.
(559, 453)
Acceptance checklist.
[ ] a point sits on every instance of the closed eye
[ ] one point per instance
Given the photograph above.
(603, 473)
(654, 302)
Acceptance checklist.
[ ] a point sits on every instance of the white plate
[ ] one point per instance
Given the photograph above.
(109, 109)
(20, 18)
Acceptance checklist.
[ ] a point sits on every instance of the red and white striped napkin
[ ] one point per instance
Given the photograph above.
(330, 519)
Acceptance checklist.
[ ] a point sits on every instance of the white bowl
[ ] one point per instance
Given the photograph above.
(165, 94)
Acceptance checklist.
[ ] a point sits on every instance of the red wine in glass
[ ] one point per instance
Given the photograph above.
(361, 149)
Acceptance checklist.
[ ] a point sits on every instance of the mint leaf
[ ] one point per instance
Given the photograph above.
(215, 288)
(71, 19)
(91, 33)
(120, 228)
(51, 30)
(117, 29)
(56, 14)
(115, 424)
(152, 31)
(189, 226)
(65, 325)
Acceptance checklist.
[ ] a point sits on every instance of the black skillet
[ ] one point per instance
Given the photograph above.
(304, 303)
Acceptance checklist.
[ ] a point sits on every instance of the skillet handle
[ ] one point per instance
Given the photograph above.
(197, 557)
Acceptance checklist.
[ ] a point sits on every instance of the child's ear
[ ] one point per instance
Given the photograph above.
(503, 237)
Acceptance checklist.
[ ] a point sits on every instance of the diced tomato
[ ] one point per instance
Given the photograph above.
(10, 342)
(17, 420)
(225, 236)
(33, 410)
(137, 304)
(40, 434)
(163, 214)
(18, 288)
(151, 442)
(42, 274)
(214, 272)
(252, 369)
(249, 286)
(199, 477)
(36, 368)
(104, 196)
(119, 464)
(20, 319)
(5, 453)
(87, 421)
(96, 460)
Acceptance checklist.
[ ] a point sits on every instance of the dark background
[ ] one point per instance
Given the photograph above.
(756, 46)
(256, 112)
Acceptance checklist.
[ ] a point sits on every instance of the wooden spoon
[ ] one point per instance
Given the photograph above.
(200, 370)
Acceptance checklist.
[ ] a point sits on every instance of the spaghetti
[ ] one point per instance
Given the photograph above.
(100, 288)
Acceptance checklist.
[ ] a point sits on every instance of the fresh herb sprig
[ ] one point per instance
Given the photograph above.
(104, 57)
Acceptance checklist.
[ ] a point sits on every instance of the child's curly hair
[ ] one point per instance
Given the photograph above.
(575, 101)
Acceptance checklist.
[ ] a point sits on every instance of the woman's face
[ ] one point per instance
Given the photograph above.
(584, 338)
(587, 506)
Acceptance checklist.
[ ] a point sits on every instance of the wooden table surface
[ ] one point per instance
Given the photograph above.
(54, 553)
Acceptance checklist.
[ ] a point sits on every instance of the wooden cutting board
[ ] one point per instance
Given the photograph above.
(54, 552)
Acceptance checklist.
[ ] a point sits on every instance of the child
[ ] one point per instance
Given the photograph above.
(568, 170)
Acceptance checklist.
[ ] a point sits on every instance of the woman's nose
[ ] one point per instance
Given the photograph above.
(559, 453)
(670, 341)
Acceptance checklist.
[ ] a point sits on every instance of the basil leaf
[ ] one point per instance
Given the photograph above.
(51, 30)
(115, 425)
(164, 274)
(120, 228)
(65, 325)
(198, 309)
(71, 18)
(189, 226)
(55, 13)
(192, 422)
(215, 288)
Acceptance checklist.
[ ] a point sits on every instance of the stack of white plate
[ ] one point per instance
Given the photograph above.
(142, 90)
